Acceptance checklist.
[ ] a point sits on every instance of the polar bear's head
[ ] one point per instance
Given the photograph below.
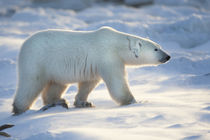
(145, 52)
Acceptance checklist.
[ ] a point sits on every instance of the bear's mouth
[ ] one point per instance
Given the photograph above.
(165, 59)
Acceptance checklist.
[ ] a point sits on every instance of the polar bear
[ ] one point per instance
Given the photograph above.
(49, 61)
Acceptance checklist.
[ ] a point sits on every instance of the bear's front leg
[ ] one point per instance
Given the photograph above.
(117, 85)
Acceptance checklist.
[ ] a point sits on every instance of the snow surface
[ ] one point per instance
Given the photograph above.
(174, 98)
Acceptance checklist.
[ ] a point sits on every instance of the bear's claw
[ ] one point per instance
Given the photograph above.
(62, 103)
(83, 104)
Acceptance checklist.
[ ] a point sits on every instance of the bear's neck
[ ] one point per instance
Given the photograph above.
(124, 51)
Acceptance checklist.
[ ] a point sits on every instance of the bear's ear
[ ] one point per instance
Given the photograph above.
(134, 47)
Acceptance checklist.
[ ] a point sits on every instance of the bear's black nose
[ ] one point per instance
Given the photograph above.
(168, 57)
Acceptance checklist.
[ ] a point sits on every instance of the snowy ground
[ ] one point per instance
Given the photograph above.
(174, 98)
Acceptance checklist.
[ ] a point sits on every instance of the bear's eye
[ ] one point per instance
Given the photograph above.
(140, 44)
(156, 49)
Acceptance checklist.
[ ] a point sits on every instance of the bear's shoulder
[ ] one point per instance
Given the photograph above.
(106, 29)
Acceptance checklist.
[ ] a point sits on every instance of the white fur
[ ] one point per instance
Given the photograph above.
(50, 60)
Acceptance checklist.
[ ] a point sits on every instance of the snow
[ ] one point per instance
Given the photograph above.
(173, 98)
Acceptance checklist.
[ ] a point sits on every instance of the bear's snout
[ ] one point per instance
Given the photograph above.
(168, 57)
(165, 59)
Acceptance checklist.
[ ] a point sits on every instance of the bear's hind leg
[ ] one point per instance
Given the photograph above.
(27, 91)
(84, 89)
(52, 95)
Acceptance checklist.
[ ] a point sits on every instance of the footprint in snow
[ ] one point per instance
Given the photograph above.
(207, 108)
(155, 118)
(205, 117)
(175, 126)
(196, 137)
